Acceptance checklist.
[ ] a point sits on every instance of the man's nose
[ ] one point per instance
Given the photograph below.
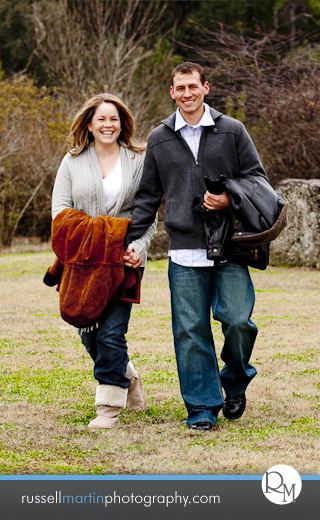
(187, 92)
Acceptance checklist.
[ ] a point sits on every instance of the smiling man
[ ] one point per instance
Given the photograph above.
(188, 91)
(194, 142)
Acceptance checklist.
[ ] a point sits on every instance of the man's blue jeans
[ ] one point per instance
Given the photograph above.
(227, 289)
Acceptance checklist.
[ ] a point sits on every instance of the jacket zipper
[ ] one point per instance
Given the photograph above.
(194, 159)
(187, 147)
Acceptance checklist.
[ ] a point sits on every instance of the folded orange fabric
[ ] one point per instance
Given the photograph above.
(89, 268)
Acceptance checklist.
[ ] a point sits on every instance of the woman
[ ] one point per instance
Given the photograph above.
(100, 176)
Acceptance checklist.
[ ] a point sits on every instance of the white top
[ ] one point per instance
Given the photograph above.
(191, 134)
(112, 183)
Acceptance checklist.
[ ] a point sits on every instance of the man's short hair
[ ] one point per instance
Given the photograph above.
(188, 67)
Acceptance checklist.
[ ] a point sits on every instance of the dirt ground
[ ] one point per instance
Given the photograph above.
(47, 385)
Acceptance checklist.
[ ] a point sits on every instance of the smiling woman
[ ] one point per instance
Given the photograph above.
(105, 123)
(105, 127)
(100, 176)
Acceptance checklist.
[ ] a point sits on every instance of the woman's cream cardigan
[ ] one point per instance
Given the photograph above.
(78, 185)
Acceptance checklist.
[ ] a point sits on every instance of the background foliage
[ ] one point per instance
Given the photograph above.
(262, 60)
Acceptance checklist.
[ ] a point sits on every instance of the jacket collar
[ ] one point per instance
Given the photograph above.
(170, 121)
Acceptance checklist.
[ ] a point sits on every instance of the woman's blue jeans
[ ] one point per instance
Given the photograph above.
(227, 290)
(107, 345)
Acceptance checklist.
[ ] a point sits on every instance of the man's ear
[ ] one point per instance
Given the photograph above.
(172, 92)
(207, 88)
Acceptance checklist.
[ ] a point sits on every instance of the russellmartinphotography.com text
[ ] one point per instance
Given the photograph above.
(112, 499)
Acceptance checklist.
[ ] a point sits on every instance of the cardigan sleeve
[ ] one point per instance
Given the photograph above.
(142, 244)
(62, 189)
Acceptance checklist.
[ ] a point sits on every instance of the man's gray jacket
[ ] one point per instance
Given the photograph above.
(171, 169)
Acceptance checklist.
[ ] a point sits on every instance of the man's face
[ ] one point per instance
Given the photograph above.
(188, 92)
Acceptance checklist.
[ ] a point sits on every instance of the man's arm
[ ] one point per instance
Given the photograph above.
(137, 248)
(249, 162)
(147, 199)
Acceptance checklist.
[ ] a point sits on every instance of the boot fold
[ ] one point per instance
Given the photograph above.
(111, 395)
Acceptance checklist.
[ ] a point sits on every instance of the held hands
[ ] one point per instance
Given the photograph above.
(131, 258)
(216, 202)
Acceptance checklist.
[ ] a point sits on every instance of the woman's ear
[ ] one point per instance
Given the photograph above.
(89, 126)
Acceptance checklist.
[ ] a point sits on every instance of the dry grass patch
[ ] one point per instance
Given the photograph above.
(47, 386)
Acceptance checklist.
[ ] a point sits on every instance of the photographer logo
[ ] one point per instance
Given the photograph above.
(281, 484)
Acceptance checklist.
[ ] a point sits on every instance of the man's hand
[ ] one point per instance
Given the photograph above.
(216, 202)
(131, 258)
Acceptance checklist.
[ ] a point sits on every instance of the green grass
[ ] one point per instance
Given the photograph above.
(25, 264)
(47, 385)
(305, 357)
(158, 265)
(35, 385)
(153, 359)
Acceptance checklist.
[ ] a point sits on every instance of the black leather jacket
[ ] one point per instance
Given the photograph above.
(242, 233)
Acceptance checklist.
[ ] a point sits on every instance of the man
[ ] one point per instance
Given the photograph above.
(194, 142)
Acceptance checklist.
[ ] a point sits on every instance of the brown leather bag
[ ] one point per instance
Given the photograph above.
(91, 253)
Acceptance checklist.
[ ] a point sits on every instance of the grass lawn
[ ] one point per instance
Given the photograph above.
(47, 386)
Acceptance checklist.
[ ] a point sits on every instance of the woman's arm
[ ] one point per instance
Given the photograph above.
(62, 190)
(138, 248)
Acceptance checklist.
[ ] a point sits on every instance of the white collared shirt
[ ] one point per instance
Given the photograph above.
(191, 134)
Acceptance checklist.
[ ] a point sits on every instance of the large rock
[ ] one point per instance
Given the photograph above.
(299, 242)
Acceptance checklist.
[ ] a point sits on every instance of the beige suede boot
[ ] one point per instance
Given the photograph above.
(109, 401)
(107, 417)
(135, 399)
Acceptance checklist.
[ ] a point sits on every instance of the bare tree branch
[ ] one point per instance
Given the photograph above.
(104, 45)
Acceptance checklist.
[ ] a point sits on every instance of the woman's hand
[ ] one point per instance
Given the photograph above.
(131, 258)
(216, 202)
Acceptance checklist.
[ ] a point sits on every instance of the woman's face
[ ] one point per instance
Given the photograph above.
(105, 124)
